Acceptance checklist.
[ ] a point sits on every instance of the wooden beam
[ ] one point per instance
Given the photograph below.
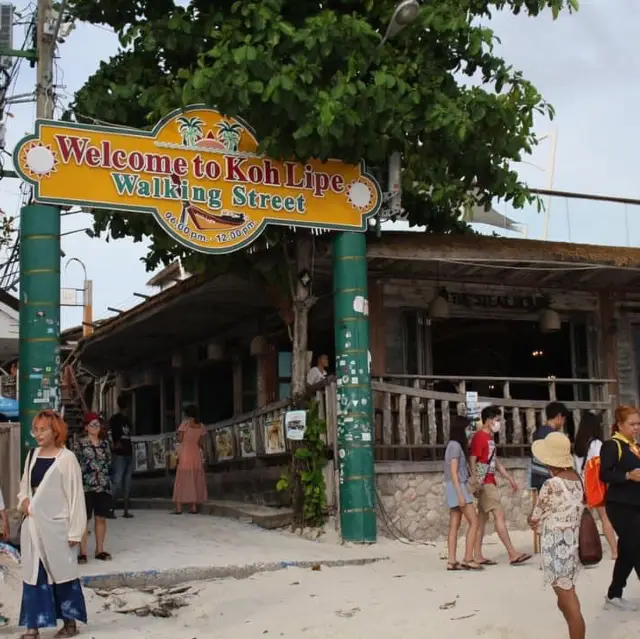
(608, 332)
(423, 247)
(377, 333)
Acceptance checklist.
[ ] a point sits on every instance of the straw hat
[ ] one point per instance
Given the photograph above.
(554, 451)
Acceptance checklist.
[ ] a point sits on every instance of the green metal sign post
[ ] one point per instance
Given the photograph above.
(39, 367)
(355, 406)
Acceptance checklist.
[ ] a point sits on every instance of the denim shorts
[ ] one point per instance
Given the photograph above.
(451, 494)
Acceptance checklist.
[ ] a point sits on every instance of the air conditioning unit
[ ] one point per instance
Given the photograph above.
(6, 34)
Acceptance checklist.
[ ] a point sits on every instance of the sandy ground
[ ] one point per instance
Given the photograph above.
(409, 596)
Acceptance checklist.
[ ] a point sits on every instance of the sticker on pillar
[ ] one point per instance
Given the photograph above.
(369, 361)
(295, 423)
(366, 437)
(361, 305)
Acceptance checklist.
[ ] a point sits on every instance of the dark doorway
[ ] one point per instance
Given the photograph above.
(497, 348)
(215, 392)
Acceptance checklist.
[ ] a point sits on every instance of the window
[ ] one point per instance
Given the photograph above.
(285, 360)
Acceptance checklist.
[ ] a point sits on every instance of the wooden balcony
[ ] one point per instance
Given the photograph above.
(413, 419)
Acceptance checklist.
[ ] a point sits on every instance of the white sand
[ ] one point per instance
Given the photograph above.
(396, 598)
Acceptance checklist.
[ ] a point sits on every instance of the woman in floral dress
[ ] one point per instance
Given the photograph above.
(557, 518)
(94, 456)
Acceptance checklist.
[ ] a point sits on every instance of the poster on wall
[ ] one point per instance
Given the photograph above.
(274, 436)
(140, 457)
(247, 436)
(295, 423)
(171, 452)
(159, 453)
(224, 444)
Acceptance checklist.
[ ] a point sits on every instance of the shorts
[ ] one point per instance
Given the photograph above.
(489, 498)
(451, 494)
(99, 504)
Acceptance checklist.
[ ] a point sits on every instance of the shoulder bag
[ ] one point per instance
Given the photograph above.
(589, 544)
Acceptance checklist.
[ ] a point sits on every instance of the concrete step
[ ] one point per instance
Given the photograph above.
(262, 516)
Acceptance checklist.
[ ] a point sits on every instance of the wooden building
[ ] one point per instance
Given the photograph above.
(519, 322)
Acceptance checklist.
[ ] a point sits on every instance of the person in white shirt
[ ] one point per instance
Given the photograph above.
(318, 374)
(587, 446)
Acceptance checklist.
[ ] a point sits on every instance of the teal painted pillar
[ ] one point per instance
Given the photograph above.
(39, 364)
(355, 405)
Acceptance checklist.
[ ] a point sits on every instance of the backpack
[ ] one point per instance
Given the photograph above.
(595, 490)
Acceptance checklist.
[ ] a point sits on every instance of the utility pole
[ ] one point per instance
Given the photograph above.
(39, 368)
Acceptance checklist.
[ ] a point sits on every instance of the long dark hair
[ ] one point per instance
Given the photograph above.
(590, 429)
(458, 433)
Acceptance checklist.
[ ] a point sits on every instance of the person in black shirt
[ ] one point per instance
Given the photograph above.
(620, 469)
(120, 427)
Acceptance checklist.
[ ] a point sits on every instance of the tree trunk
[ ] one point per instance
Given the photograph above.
(302, 303)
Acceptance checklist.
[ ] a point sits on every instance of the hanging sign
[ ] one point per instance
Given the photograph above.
(198, 173)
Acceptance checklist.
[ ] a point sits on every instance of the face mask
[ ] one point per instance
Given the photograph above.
(495, 427)
(470, 432)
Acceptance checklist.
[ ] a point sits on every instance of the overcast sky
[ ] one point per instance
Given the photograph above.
(585, 65)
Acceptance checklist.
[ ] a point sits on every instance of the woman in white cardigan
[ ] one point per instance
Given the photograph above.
(52, 499)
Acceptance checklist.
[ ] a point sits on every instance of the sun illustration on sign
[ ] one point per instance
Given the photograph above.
(40, 159)
(359, 195)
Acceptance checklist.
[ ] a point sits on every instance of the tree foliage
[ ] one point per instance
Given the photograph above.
(312, 80)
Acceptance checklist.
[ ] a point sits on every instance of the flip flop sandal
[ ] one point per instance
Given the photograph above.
(176, 512)
(452, 566)
(82, 559)
(520, 560)
(103, 556)
(30, 635)
(488, 562)
(68, 631)
(468, 566)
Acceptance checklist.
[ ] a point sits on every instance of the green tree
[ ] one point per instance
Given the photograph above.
(312, 80)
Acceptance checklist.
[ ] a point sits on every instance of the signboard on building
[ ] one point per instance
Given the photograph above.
(198, 173)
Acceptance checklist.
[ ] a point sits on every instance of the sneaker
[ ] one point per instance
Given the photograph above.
(619, 603)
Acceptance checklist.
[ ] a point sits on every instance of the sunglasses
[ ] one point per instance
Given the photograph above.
(94, 424)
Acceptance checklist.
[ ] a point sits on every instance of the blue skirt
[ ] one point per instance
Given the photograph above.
(452, 496)
(45, 603)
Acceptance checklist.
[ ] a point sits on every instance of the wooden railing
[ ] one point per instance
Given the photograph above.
(413, 418)
(257, 434)
(10, 462)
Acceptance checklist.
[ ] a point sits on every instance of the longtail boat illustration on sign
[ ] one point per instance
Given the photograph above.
(199, 174)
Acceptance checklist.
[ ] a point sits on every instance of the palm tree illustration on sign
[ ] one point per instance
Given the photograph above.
(190, 129)
(230, 133)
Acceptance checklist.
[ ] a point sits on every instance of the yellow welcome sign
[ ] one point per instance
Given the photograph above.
(198, 173)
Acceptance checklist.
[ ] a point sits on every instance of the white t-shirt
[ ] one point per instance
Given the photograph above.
(594, 451)
(315, 376)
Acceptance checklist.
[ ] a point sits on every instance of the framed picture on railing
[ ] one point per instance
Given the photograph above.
(140, 457)
(159, 453)
(224, 444)
(247, 439)
(274, 436)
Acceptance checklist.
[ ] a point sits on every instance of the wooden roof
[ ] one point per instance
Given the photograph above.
(202, 307)
(517, 262)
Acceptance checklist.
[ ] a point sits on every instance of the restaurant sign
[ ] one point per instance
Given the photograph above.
(199, 174)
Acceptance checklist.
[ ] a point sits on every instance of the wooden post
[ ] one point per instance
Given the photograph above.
(609, 335)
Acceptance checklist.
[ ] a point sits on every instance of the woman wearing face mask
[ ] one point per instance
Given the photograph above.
(52, 500)
(484, 465)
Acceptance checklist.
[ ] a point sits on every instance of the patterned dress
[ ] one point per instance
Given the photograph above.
(559, 511)
(95, 463)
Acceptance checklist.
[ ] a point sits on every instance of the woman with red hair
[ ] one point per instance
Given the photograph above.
(620, 469)
(52, 500)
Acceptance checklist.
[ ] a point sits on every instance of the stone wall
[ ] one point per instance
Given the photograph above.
(411, 497)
